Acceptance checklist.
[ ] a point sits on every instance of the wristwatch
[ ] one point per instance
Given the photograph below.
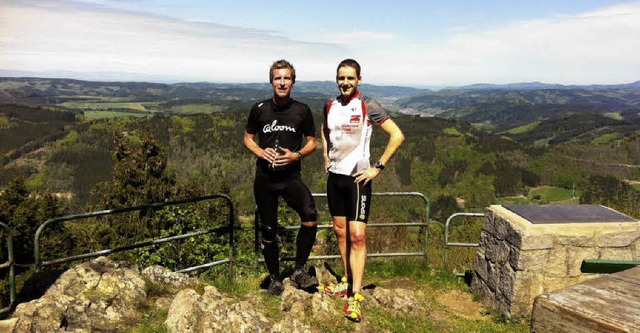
(379, 165)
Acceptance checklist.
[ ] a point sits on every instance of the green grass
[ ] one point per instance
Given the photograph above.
(606, 138)
(196, 108)
(554, 194)
(105, 105)
(113, 114)
(152, 322)
(544, 195)
(451, 131)
(237, 286)
(614, 115)
(524, 128)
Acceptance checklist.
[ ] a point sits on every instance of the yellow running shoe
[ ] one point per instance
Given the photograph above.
(353, 308)
(338, 289)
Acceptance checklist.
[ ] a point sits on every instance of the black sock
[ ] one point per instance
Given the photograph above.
(271, 254)
(304, 243)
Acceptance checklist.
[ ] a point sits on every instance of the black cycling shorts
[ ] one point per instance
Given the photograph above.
(347, 198)
(268, 187)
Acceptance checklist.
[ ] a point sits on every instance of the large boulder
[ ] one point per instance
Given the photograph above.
(99, 295)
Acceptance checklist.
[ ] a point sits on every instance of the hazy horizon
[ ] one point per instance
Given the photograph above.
(404, 43)
(129, 77)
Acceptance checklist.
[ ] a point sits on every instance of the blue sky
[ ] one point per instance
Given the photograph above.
(414, 43)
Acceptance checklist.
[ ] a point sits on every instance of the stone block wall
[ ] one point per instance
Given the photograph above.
(517, 260)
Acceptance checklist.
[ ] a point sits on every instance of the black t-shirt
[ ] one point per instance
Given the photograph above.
(288, 124)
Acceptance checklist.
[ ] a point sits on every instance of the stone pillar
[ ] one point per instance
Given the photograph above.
(518, 260)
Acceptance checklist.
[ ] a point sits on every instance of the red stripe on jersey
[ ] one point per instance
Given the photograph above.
(327, 107)
(364, 110)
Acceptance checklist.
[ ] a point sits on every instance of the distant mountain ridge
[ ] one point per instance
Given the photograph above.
(504, 107)
(495, 107)
(313, 87)
(52, 91)
(540, 85)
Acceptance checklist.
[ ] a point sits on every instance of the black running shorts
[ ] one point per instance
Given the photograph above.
(347, 198)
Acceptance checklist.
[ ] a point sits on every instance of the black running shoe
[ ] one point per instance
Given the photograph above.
(302, 280)
(275, 287)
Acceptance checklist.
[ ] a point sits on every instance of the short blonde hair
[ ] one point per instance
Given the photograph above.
(280, 64)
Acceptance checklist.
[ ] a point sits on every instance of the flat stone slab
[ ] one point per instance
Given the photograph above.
(609, 303)
(547, 214)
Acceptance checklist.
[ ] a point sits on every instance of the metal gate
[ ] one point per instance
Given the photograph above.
(228, 228)
(423, 225)
(11, 265)
(448, 244)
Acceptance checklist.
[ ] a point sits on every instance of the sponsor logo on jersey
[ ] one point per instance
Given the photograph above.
(363, 206)
(354, 118)
(274, 127)
(349, 129)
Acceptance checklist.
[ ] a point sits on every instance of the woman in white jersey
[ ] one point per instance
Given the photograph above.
(346, 135)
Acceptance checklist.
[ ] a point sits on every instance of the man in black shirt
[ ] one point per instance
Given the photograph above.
(280, 123)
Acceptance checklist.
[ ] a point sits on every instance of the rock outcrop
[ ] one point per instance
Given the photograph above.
(107, 296)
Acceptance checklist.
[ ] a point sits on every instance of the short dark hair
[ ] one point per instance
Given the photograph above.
(349, 63)
(280, 64)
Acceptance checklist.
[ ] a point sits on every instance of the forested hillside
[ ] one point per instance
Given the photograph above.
(441, 158)
(72, 146)
(498, 109)
(63, 142)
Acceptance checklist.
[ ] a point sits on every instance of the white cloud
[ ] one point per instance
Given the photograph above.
(595, 47)
(55, 36)
(50, 35)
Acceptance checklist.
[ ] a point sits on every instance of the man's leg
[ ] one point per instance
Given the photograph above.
(300, 277)
(340, 199)
(267, 204)
(340, 229)
(298, 197)
(358, 253)
(304, 242)
(357, 256)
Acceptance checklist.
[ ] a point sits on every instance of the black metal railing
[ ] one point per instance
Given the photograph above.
(11, 265)
(421, 224)
(229, 228)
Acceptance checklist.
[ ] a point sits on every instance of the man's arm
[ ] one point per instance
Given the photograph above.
(310, 146)
(395, 140)
(325, 154)
(249, 142)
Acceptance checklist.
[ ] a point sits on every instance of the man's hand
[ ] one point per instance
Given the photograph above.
(284, 157)
(269, 154)
(366, 175)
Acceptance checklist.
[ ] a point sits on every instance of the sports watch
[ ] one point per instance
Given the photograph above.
(379, 165)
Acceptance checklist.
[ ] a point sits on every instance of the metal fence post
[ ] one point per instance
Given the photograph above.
(11, 265)
(446, 235)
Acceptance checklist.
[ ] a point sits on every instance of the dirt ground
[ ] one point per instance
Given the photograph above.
(462, 304)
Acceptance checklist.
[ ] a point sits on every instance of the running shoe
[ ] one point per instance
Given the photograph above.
(302, 280)
(339, 289)
(275, 287)
(353, 308)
